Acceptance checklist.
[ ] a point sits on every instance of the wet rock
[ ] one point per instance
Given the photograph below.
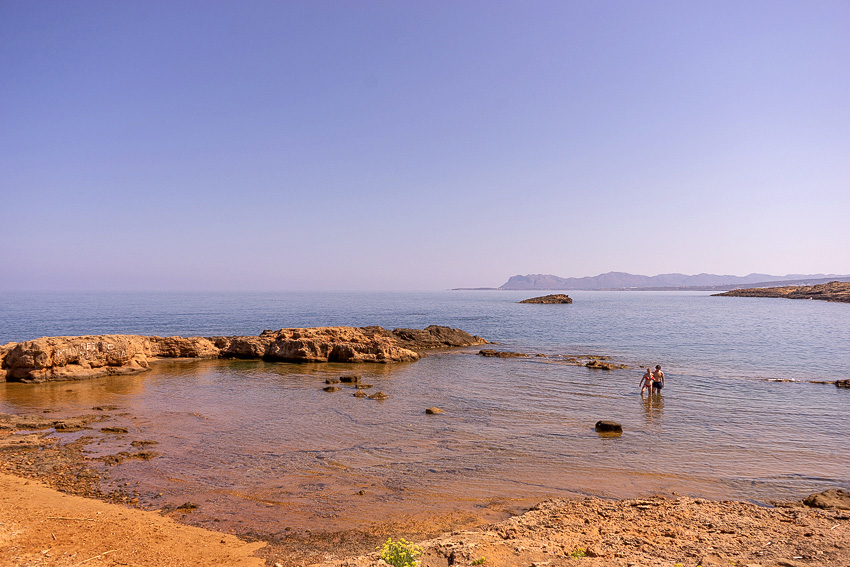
(555, 298)
(379, 396)
(114, 430)
(332, 381)
(842, 383)
(434, 410)
(604, 426)
(500, 353)
(602, 365)
(834, 499)
(331, 388)
(359, 394)
(349, 379)
(363, 386)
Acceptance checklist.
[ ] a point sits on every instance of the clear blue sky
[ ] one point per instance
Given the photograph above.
(419, 145)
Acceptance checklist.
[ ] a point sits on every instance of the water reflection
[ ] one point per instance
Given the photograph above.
(21, 398)
(653, 407)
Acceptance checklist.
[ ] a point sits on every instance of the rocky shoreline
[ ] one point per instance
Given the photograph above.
(680, 531)
(832, 291)
(92, 356)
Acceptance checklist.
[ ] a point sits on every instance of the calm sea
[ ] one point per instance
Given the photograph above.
(260, 446)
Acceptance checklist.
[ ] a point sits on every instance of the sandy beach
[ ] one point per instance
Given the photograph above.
(41, 525)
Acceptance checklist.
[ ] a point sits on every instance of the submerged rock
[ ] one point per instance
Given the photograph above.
(379, 396)
(601, 365)
(434, 411)
(500, 353)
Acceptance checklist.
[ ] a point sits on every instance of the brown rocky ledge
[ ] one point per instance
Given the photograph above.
(832, 291)
(90, 356)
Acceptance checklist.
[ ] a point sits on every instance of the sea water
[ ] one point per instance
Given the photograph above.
(260, 446)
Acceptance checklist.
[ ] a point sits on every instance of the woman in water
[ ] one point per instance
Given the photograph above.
(646, 382)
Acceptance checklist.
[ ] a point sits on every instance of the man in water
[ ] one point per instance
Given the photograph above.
(657, 379)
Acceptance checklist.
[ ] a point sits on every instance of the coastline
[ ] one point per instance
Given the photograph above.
(628, 531)
(53, 512)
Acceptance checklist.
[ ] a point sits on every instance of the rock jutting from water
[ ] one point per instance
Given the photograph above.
(91, 356)
(549, 299)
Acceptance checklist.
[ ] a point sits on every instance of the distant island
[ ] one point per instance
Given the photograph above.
(554, 298)
(832, 291)
(622, 281)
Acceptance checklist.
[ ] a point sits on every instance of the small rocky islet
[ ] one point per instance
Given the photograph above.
(551, 299)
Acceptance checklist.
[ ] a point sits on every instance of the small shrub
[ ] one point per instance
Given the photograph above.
(479, 561)
(400, 553)
(578, 553)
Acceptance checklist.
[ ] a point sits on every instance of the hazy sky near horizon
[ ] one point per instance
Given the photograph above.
(151, 145)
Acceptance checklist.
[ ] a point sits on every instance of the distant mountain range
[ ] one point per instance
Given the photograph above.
(624, 281)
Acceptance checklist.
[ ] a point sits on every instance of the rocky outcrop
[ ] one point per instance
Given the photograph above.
(832, 291)
(183, 347)
(833, 499)
(549, 299)
(75, 358)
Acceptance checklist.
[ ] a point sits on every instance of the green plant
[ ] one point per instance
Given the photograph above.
(578, 553)
(479, 561)
(400, 553)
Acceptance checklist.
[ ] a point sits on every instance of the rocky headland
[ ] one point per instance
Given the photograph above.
(553, 298)
(91, 356)
(832, 291)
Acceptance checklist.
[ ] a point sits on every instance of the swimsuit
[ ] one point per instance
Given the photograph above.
(657, 385)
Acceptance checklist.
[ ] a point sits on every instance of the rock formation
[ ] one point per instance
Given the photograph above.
(832, 291)
(74, 358)
(552, 298)
(500, 353)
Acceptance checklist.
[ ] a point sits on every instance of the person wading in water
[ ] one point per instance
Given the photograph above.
(657, 379)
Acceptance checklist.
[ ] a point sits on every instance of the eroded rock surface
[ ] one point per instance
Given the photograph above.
(74, 358)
